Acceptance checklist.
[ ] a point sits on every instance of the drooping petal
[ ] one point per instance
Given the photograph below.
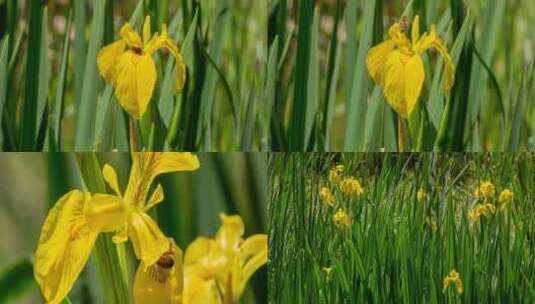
(229, 235)
(199, 290)
(107, 59)
(136, 78)
(105, 213)
(164, 41)
(146, 166)
(375, 61)
(147, 239)
(432, 40)
(252, 255)
(110, 176)
(162, 282)
(64, 246)
(403, 82)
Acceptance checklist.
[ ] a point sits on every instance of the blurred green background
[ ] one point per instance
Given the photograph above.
(231, 183)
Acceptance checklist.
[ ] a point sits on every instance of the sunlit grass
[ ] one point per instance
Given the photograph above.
(408, 230)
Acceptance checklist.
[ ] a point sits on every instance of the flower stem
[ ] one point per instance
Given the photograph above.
(109, 256)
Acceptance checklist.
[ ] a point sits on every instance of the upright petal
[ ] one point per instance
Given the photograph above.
(136, 78)
(229, 235)
(64, 246)
(147, 239)
(415, 31)
(146, 30)
(161, 282)
(107, 60)
(146, 166)
(403, 82)
(375, 61)
(130, 36)
(110, 176)
(252, 255)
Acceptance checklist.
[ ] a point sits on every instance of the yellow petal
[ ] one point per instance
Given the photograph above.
(107, 59)
(162, 282)
(105, 213)
(230, 233)
(199, 290)
(147, 239)
(432, 40)
(403, 82)
(64, 246)
(110, 176)
(375, 61)
(136, 77)
(130, 36)
(146, 166)
(397, 35)
(415, 32)
(146, 30)
(156, 197)
(252, 255)
(207, 256)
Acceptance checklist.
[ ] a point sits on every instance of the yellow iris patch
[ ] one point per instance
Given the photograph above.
(127, 64)
(73, 224)
(396, 65)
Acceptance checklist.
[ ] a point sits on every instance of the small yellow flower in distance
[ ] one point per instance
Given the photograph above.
(453, 278)
(335, 173)
(341, 219)
(505, 196)
(421, 195)
(481, 210)
(351, 186)
(396, 65)
(73, 224)
(217, 270)
(484, 190)
(431, 223)
(327, 270)
(326, 196)
(127, 64)
(161, 282)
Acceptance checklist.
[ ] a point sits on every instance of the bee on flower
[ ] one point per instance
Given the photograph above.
(421, 195)
(74, 223)
(480, 210)
(335, 173)
(351, 186)
(341, 219)
(397, 66)
(453, 278)
(485, 190)
(505, 197)
(327, 196)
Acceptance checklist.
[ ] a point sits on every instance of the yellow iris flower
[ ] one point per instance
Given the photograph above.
(161, 282)
(351, 186)
(327, 196)
(421, 195)
(396, 65)
(216, 270)
(453, 278)
(335, 173)
(505, 196)
(73, 224)
(127, 64)
(341, 219)
(485, 190)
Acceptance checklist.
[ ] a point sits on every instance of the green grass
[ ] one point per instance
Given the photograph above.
(390, 253)
(489, 109)
(52, 97)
